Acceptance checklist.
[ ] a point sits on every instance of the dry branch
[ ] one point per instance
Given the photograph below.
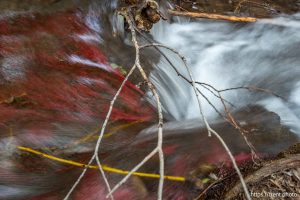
(209, 129)
(212, 16)
(95, 155)
(132, 27)
(129, 19)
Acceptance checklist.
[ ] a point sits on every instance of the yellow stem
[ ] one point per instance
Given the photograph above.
(105, 168)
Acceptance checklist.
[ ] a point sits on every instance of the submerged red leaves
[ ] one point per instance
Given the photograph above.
(67, 78)
(55, 88)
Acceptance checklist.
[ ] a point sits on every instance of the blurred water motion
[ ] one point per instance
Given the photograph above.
(61, 64)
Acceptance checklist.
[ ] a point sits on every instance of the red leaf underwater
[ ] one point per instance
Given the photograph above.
(55, 89)
(64, 77)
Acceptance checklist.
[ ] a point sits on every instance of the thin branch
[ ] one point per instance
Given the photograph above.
(245, 188)
(150, 155)
(126, 14)
(255, 89)
(211, 104)
(79, 178)
(95, 155)
(209, 129)
(214, 92)
(238, 7)
(212, 16)
(237, 126)
(217, 93)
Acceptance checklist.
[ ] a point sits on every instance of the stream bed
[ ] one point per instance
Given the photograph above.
(62, 61)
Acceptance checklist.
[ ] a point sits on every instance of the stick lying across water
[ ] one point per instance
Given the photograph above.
(212, 16)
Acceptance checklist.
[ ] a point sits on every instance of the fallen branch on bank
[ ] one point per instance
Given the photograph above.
(212, 16)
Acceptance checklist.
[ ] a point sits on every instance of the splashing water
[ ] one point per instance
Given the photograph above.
(225, 55)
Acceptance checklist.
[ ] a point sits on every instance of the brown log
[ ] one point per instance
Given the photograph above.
(212, 16)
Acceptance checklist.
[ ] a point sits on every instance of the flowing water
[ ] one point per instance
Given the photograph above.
(62, 62)
(225, 55)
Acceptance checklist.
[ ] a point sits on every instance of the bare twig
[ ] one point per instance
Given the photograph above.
(150, 155)
(95, 155)
(237, 126)
(212, 16)
(209, 129)
(238, 7)
(255, 89)
(217, 93)
(244, 186)
(125, 13)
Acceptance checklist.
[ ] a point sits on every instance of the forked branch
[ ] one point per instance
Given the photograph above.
(209, 129)
(128, 18)
(96, 151)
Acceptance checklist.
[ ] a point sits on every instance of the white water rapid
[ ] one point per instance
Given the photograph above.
(265, 54)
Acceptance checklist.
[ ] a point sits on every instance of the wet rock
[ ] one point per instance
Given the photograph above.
(264, 129)
(189, 152)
